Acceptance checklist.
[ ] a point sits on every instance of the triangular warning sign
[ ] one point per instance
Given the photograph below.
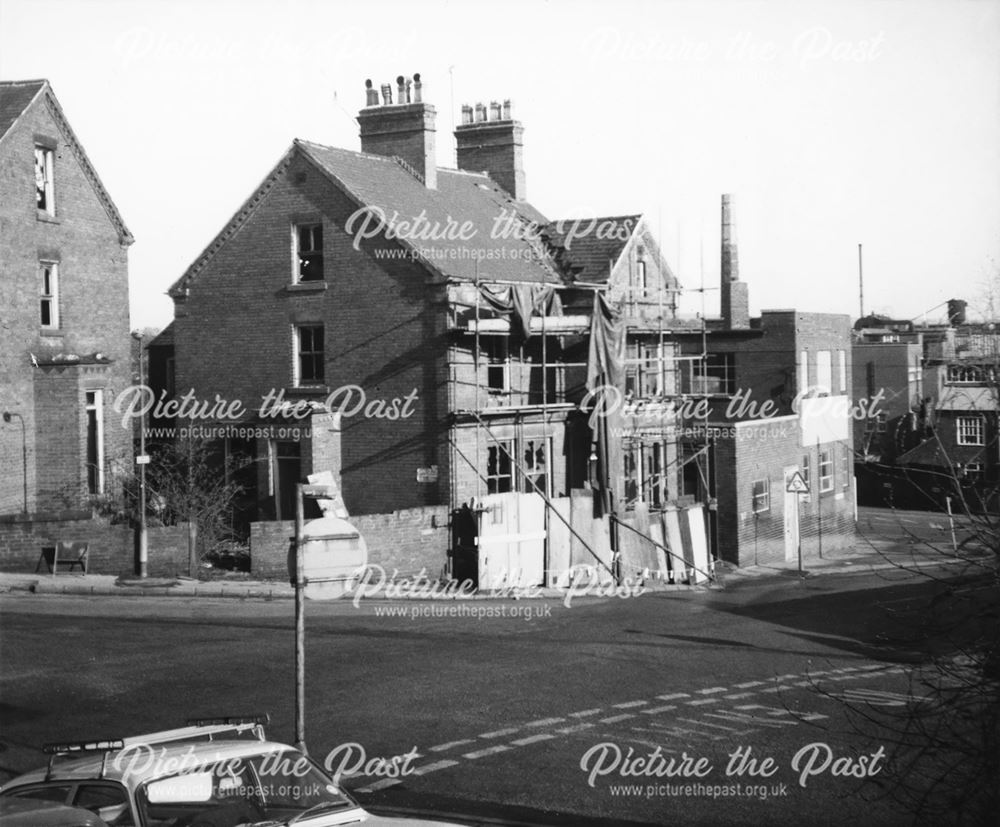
(797, 485)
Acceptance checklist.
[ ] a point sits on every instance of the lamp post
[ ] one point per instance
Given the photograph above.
(142, 460)
(7, 416)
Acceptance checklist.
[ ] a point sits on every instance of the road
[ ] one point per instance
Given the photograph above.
(529, 712)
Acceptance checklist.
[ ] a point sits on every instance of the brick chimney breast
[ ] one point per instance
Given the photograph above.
(735, 297)
(490, 140)
(404, 129)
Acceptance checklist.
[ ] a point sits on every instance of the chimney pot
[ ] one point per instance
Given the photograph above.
(418, 95)
(371, 95)
(506, 109)
(405, 131)
(494, 111)
(401, 89)
(386, 93)
(466, 113)
(480, 113)
(488, 139)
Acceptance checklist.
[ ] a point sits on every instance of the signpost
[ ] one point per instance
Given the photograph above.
(318, 492)
(798, 486)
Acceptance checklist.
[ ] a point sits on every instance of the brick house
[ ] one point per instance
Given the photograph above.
(429, 336)
(64, 337)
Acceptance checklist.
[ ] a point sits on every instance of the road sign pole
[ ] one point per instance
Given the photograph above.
(798, 527)
(300, 627)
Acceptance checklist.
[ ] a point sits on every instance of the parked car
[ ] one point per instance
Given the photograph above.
(217, 773)
(34, 812)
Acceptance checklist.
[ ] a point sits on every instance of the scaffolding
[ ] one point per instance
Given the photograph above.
(653, 372)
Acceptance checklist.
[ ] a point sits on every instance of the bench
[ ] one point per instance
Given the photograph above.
(64, 553)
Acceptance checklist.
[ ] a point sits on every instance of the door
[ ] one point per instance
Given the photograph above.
(511, 541)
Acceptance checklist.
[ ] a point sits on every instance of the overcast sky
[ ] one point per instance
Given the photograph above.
(832, 123)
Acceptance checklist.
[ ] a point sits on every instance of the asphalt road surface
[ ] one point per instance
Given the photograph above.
(658, 709)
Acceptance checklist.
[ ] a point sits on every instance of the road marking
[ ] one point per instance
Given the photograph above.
(545, 722)
(482, 753)
(585, 714)
(629, 704)
(703, 701)
(748, 684)
(713, 690)
(382, 784)
(740, 695)
(787, 677)
(437, 765)
(501, 732)
(533, 739)
(657, 710)
(673, 697)
(450, 744)
(614, 719)
(569, 730)
(804, 683)
(714, 726)
(773, 689)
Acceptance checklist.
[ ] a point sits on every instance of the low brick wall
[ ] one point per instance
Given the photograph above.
(112, 547)
(407, 541)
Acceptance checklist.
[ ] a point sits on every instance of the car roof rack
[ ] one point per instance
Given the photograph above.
(197, 729)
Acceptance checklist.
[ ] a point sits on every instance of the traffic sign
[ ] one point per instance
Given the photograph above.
(796, 484)
(142, 459)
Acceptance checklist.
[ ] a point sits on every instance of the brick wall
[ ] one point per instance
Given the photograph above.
(93, 311)
(241, 311)
(112, 547)
(410, 541)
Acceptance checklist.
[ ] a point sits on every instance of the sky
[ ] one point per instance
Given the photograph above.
(833, 124)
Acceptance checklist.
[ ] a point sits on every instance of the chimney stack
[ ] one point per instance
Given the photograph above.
(491, 141)
(404, 129)
(735, 299)
(956, 311)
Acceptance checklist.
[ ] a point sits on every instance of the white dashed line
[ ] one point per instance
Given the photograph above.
(500, 733)
(740, 695)
(629, 704)
(533, 739)
(657, 710)
(703, 701)
(450, 744)
(773, 689)
(673, 697)
(437, 765)
(712, 690)
(569, 730)
(585, 713)
(482, 753)
(787, 677)
(614, 719)
(748, 684)
(545, 722)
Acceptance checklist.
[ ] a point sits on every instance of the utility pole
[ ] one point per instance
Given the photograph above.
(142, 461)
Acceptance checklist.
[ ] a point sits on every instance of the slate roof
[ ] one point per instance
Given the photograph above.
(15, 95)
(384, 182)
(587, 254)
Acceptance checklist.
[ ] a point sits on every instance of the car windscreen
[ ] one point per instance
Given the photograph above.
(274, 785)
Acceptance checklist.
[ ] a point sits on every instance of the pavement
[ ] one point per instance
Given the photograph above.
(866, 557)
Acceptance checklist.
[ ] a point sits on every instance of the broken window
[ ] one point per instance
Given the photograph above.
(45, 198)
(499, 472)
(761, 496)
(310, 361)
(48, 293)
(497, 351)
(309, 252)
(95, 442)
(536, 466)
(714, 374)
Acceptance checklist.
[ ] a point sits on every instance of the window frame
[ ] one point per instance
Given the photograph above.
(963, 433)
(826, 480)
(95, 406)
(48, 277)
(760, 495)
(300, 379)
(312, 256)
(499, 454)
(45, 187)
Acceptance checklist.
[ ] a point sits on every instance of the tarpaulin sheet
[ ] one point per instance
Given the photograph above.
(521, 302)
(605, 381)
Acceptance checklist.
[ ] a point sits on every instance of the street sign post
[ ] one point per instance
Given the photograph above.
(798, 486)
